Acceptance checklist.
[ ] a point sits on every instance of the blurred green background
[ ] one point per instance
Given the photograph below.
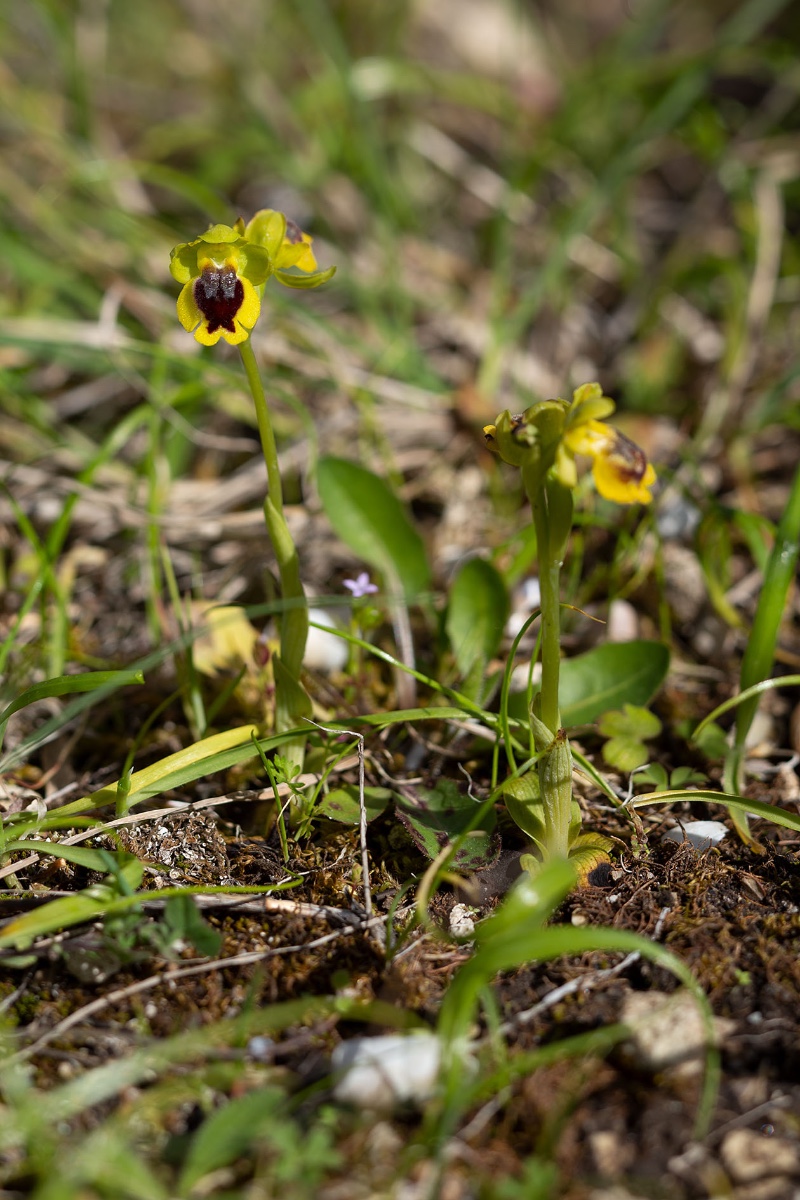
(519, 196)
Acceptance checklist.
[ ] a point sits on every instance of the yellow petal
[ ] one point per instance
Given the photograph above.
(623, 474)
(250, 308)
(189, 314)
(306, 261)
(295, 250)
(205, 338)
(589, 437)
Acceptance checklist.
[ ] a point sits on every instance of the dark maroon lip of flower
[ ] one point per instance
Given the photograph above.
(629, 460)
(294, 233)
(219, 295)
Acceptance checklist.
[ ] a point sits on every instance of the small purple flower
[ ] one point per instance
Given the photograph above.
(360, 587)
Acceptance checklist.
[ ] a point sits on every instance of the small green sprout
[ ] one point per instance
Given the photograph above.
(627, 730)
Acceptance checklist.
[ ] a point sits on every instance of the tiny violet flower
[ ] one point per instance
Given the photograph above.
(360, 587)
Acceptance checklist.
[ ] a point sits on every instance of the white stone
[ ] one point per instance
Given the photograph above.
(667, 1030)
(378, 1073)
(462, 921)
(324, 651)
(701, 835)
(748, 1156)
(623, 622)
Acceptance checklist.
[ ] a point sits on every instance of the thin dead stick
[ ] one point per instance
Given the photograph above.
(362, 809)
(152, 981)
(247, 902)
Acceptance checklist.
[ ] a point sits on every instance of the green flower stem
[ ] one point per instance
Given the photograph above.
(291, 702)
(551, 503)
(549, 579)
(552, 517)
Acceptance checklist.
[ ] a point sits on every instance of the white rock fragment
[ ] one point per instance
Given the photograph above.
(378, 1073)
(623, 622)
(324, 651)
(524, 599)
(462, 920)
(701, 835)
(748, 1156)
(666, 1030)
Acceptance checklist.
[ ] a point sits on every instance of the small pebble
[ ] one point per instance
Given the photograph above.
(701, 835)
(666, 1030)
(378, 1073)
(324, 651)
(623, 622)
(462, 921)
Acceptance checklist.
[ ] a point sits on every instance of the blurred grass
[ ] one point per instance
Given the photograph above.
(126, 127)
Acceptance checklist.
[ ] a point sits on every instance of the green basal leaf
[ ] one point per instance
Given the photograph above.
(588, 851)
(229, 1132)
(522, 798)
(436, 816)
(609, 676)
(365, 513)
(631, 721)
(606, 677)
(342, 804)
(625, 753)
(185, 921)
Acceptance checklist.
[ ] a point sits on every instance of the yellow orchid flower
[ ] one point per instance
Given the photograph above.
(620, 468)
(548, 435)
(287, 247)
(220, 272)
(223, 273)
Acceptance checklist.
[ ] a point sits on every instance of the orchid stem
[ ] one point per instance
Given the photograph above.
(291, 701)
(549, 579)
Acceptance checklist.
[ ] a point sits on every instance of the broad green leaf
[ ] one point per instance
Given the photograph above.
(609, 676)
(606, 677)
(625, 753)
(185, 921)
(477, 611)
(436, 816)
(523, 801)
(587, 852)
(365, 513)
(69, 685)
(342, 804)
